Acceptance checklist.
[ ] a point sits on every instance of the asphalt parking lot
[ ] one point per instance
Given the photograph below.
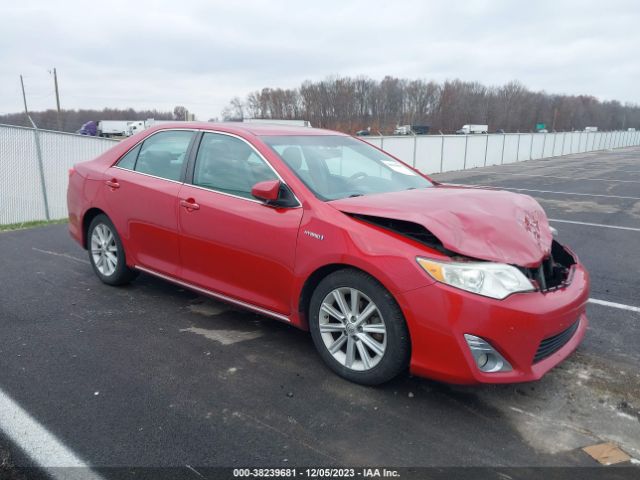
(154, 375)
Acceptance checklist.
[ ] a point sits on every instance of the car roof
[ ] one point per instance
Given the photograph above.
(259, 129)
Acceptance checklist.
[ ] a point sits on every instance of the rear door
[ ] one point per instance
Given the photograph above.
(141, 192)
(231, 243)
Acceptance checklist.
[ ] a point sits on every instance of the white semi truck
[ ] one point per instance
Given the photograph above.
(136, 126)
(126, 128)
(472, 128)
(139, 125)
(411, 130)
(113, 128)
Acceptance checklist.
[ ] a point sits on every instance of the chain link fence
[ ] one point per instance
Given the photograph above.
(34, 163)
(34, 166)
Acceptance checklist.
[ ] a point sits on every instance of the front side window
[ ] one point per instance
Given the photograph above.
(334, 166)
(228, 165)
(163, 154)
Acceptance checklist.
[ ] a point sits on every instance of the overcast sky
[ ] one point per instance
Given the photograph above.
(157, 54)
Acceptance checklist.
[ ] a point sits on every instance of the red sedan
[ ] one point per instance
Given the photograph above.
(387, 268)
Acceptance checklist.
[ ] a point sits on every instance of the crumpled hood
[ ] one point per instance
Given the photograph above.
(492, 225)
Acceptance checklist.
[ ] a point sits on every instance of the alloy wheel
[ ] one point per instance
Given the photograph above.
(104, 250)
(352, 328)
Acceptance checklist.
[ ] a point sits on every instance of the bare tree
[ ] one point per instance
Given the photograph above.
(234, 112)
(179, 112)
(351, 104)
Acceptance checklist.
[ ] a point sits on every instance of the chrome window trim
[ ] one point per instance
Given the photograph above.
(219, 296)
(211, 190)
(147, 175)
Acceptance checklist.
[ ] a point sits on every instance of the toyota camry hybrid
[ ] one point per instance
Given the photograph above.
(385, 267)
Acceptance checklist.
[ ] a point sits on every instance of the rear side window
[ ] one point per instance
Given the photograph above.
(129, 160)
(163, 154)
(227, 164)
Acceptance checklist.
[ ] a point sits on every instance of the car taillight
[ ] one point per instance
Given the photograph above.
(71, 171)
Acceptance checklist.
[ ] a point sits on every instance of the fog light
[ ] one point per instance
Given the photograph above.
(486, 357)
(482, 360)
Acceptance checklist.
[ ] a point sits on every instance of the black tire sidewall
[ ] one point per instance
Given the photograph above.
(122, 273)
(398, 350)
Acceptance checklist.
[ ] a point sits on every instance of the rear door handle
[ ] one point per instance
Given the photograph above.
(113, 184)
(190, 204)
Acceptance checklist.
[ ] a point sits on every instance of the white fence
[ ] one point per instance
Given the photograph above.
(446, 153)
(34, 164)
(34, 170)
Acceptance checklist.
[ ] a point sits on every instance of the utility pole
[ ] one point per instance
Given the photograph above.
(55, 83)
(553, 124)
(36, 138)
(24, 98)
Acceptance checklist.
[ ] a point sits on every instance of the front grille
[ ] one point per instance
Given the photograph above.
(554, 271)
(551, 345)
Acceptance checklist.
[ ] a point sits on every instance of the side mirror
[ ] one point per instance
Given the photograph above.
(269, 190)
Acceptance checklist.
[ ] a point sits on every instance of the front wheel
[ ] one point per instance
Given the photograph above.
(106, 253)
(358, 328)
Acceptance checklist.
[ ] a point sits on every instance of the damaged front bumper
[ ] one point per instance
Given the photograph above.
(532, 331)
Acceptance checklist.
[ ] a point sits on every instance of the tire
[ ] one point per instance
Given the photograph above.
(106, 254)
(363, 362)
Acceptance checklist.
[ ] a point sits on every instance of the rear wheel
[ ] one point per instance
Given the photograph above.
(358, 328)
(106, 254)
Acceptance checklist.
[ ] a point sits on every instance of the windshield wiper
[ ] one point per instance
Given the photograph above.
(355, 195)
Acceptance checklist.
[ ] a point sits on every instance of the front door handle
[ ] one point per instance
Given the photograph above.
(112, 184)
(190, 204)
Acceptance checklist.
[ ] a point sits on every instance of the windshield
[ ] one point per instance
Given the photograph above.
(335, 167)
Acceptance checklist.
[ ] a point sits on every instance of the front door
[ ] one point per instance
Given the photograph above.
(230, 242)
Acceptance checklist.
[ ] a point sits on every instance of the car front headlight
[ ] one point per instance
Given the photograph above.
(495, 280)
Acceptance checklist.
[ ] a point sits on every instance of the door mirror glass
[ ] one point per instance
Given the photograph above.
(268, 190)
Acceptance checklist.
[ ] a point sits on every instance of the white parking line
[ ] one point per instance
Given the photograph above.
(511, 167)
(500, 187)
(567, 178)
(588, 224)
(64, 255)
(44, 449)
(615, 305)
